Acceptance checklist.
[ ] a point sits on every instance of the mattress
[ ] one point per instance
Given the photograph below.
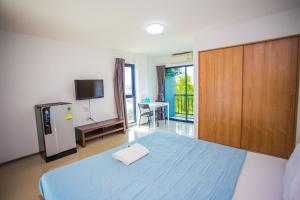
(177, 167)
(261, 178)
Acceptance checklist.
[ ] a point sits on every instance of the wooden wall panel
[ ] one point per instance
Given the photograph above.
(270, 96)
(220, 75)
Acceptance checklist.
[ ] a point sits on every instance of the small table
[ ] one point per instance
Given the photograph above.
(154, 105)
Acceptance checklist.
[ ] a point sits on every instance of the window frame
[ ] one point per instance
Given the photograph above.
(133, 93)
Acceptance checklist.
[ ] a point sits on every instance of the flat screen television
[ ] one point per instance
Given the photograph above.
(89, 89)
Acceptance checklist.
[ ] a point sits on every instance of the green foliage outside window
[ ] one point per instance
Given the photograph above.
(180, 84)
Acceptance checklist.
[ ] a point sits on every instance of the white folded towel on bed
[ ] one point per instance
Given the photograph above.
(131, 154)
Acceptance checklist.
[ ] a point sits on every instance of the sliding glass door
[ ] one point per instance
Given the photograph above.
(179, 92)
(130, 93)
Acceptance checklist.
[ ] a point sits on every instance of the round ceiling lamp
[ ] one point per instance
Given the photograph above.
(155, 29)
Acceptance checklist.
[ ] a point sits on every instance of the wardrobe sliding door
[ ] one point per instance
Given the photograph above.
(220, 84)
(269, 96)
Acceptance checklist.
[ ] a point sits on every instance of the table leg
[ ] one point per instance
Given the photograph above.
(168, 115)
(154, 115)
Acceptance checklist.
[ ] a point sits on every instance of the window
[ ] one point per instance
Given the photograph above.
(179, 92)
(130, 93)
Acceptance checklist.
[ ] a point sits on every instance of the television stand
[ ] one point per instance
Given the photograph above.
(99, 129)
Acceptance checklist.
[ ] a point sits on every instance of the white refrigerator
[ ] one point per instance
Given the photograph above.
(55, 130)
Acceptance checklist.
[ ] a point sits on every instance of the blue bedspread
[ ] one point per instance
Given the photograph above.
(177, 167)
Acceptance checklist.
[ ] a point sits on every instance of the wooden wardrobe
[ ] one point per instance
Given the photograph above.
(248, 96)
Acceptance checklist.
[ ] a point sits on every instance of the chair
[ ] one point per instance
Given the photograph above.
(145, 112)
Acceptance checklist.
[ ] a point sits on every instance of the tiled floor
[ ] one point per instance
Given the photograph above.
(19, 179)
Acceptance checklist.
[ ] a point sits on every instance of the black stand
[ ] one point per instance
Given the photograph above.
(90, 117)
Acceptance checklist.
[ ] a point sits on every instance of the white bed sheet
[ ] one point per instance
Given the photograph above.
(261, 178)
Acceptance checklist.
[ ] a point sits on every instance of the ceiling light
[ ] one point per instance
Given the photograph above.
(155, 29)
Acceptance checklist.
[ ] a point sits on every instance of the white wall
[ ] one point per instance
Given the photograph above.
(35, 70)
(166, 60)
(273, 26)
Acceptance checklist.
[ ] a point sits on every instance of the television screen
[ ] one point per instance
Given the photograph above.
(89, 89)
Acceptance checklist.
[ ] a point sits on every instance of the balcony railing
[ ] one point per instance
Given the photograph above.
(184, 105)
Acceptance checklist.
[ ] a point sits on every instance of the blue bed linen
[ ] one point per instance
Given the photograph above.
(177, 167)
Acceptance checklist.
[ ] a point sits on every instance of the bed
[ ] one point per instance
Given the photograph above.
(177, 167)
(261, 178)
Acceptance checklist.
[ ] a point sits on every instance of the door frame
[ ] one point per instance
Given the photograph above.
(133, 89)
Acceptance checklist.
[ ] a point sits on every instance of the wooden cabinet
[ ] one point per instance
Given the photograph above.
(221, 95)
(95, 130)
(248, 96)
(269, 96)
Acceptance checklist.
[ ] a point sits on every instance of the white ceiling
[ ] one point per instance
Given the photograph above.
(120, 24)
